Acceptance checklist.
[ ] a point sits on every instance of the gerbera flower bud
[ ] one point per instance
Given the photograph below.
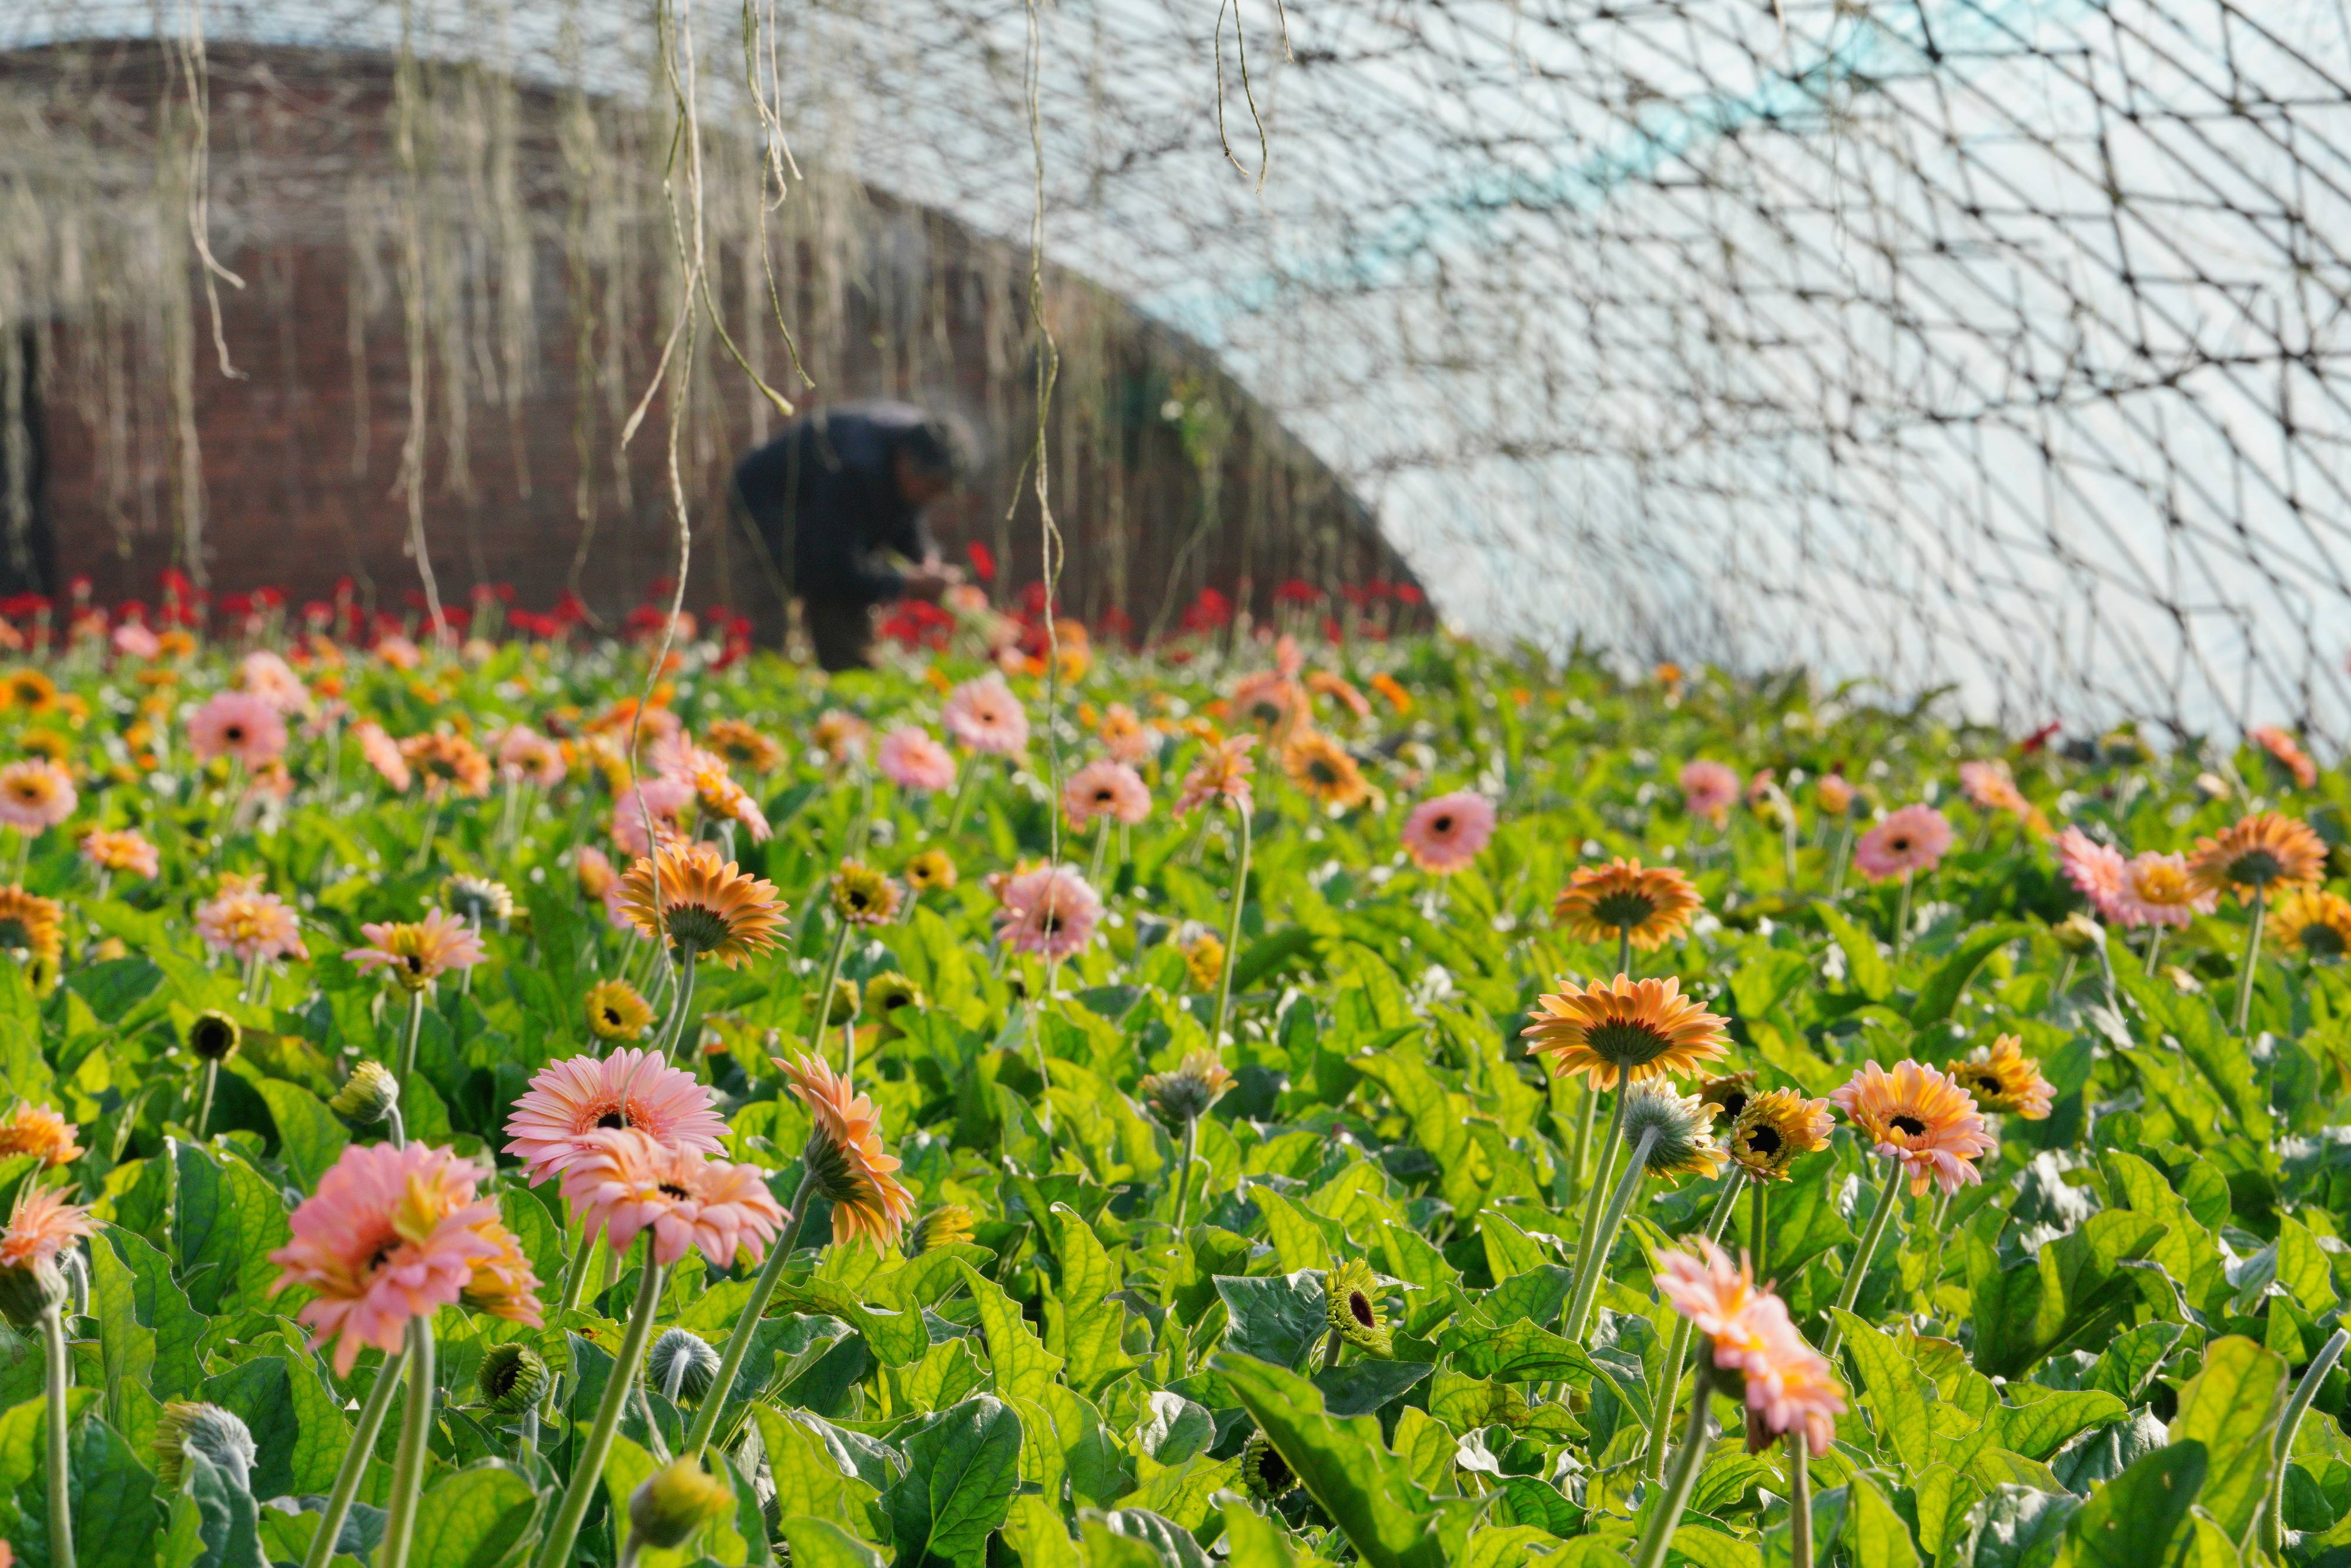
(1185, 1093)
(2077, 933)
(214, 1036)
(1676, 1127)
(1350, 1304)
(674, 1501)
(511, 1377)
(41, 1226)
(1774, 1130)
(1645, 906)
(949, 1224)
(862, 895)
(2002, 1078)
(368, 1096)
(1625, 1028)
(1265, 1475)
(682, 1365)
(225, 1441)
(29, 1289)
(616, 1011)
(931, 869)
(844, 1157)
(479, 900)
(840, 1004)
(1728, 1095)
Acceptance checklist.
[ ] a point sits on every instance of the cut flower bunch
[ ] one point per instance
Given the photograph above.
(1285, 1098)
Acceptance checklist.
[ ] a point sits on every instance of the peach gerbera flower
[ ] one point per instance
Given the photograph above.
(1110, 789)
(418, 952)
(660, 799)
(36, 794)
(1125, 737)
(1268, 700)
(911, 759)
(723, 800)
(41, 1225)
(622, 1183)
(391, 1234)
(2288, 753)
(2095, 870)
(1222, 772)
(124, 849)
(1721, 1302)
(239, 724)
(1320, 766)
(2002, 1078)
(382, 754)
(2262, 851)
(1648, 907)
(1444, 834)
(39, 1130)
(527, 756)
(1632, 1029)
(845, 1156)
(266, 675)
(841, 734)
(1791, 1387)
(1833, 794)
(2157, 890)
(743, 746)
(244, 920)
(701, 902)
(449, 764)
(1919, 1117)
(1051, 912)
(1910, 840)
(636, 1089)
(983, 716)
(1708, 790)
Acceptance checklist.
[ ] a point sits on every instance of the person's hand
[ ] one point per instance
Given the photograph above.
(932, 578)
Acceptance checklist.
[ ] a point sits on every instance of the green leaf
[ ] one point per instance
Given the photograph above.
(1298, 1242)
(225, 1222)
(1341, 1462)
(1941, 992)
(1522, 1352)
(1901, 1400)
(1082, 1324)
(2129, 1522)
(1276, 1320)
(2302, 1268)
(2079, 1283)
(1362, 1388)
(809, 1480)
(1437, 1126)
(227, 1524)
(1253, 1539)
(2017, 1527)
(309, 1138)
(820, 1543)
(1507, 1546)
(1034, 1529)
(473, 1519)
(895, 1338)
(2229, 1409)
(2043, 1420)
(1874, 1533)
(1865, 968)
(2187, 1251)
(116, 1519)
(1022, 1365)
(961, 1470)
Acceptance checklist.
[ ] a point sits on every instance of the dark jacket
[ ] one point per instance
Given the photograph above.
(824, 497)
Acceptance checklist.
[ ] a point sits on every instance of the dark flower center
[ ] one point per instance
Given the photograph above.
(1358, 1306)
(612, 1017)
(1625, 911)
(671, 1189)
(1734, 1103)
(234, 734)
(1899, 843)
(1441, 825)
(612, 1118)
(2323, 941)
(1764, 1142)
(1624, 1042)
(1272, 1472)
(416, 963)
(1909, 1125)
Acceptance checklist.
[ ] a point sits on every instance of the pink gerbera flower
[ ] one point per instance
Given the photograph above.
(1050, 912)
(392, 1233)
(1110, 789)
(2095, 870)
(2159, 890)
(1708, 790)
(40, 1225)
(1223, 773)
(416, 953)
(911, 759)
(1913, 839)
(239, 724)
(1444, 834)
(1922, 1118)
(527, 756)
(665, 796)
(622, 1182)
(36, 795)
(136, 640)
(122, 849)
(1790, 1386)
(631, 1088)
(983, 716)
(382, 754)
(266, 675)
(243, 920)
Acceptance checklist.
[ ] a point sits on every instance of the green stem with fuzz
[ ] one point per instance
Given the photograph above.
(1800, 1502)
(824, 993)
(1587, 1287)
(409, 1039)
(1592, 1200)
(2272, 1513)
(588, 1470)
(1232, 928)
(2253, 959)
(61, 1377)
(1578, 1164)
(408, 1458)
(204, 1100)
(1624, 951)
(1661, 1406)
(355, 1462)
(738, 1344)
(1887, 1196)
(1759, 1231)
(1687, 1461)
(1101, 851)
(2154, 946)
(674, 1030)
(1902, 914)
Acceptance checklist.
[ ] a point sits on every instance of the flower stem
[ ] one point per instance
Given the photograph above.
(1167, 1281)
(408, 1041)
(969, 771)
(2154, 946)
(588, 1470)
(1101, 851)
(738, 1344)
(1184, 1178)
(1579, 1165)
(355, 1461)
(674, 1031)
(408, 1458)
(1232, 928)
(1624, 951)
(2253, 960)
(1759, 1231)
(2272, 1516)
(1887, 1196)
(1661, 1408)
(61, 1377)
(824, 994)
(1837, 863)
(1587, 1287)
(1592, 1202)
(1687, 1461)
(1800, 1502)
(205, 1102)
(1902, 914)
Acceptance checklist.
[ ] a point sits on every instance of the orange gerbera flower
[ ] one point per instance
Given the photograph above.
(42, 1225)
(1633, 1029)
(30, 923)
(1920, 1117)
(448, 763)
(1775, 1129)
(1648, 906)
(1321, 767)
(743, 746)
(2263, 851)
(845, 1157)
(2316, 923)
(703, 903)
(2002, 1078)
(1392, 690)
(31, 1129)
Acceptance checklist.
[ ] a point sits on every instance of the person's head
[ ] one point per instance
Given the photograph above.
(930, 459)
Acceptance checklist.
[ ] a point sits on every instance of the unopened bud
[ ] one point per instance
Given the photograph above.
(214, 1036)
(29, 1289)
(682, 1365)
(225, 1441)
(512, 1378)
(368, 1096)
(674, 1501)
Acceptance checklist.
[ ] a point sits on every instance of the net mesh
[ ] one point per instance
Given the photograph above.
(1994, 344)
